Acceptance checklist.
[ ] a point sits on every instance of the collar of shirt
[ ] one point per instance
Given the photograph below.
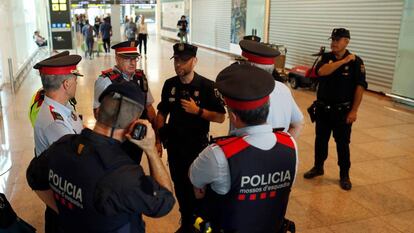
(196, 82)
(260, 136)
(58, 107)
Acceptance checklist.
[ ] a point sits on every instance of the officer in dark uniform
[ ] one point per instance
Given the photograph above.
(93, 184)
(126, 56)
(341, 86)
(246, 179)
(191, 103)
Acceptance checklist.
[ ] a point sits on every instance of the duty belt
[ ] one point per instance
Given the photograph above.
(337, 107)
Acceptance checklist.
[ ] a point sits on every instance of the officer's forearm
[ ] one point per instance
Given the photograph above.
(159, 123)
(47, 198)
(357, 98)
(295, 129)
(329, 68)
(151, 115)
(158, 170)
(213, 116)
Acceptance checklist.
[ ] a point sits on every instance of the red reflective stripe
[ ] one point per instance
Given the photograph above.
(258, 59)
(126, 49)
(234, 147)
(245, 105)
(272, 194)
(263, 195)
(284, 139)
(252, 197)
(241, 197)
(57, 70)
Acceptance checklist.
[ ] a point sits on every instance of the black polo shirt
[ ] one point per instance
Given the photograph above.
(181, 123)
(339, 87)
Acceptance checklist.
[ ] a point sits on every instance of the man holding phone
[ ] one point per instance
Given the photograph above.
(93, 184)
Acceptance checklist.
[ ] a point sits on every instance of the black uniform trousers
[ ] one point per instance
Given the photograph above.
(333, 119)
(181, 155)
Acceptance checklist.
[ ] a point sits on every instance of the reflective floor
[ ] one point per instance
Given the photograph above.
(382, 154)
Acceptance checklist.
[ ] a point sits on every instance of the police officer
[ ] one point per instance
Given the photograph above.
(56, 118)
(246, 179)
(39, 96)
(191, 103)
(341, 86)
(284, 112)
(126, 56)
(93, 183)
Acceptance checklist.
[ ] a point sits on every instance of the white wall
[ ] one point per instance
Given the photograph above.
(20, 18)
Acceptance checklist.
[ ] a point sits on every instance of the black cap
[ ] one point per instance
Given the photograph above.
(127, 49)
(245, 87)
(184, 51)
(61, 54)
(258, 52)
(252, 37)
(60, 64)
(338, 33)
(129, 90)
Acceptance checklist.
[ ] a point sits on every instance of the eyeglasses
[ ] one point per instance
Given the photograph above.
(129, 60)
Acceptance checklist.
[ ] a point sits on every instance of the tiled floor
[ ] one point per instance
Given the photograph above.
(382, 154)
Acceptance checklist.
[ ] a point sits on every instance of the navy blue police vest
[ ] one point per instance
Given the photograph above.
(260, 186)
(73, 190)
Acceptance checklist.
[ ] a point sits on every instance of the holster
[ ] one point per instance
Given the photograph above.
(312, 112)
(288, 226)
(163, 132)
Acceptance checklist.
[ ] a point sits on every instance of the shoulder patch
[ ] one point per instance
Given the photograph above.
(55, 115)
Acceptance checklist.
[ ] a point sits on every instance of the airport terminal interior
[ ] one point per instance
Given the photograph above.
(382, 139)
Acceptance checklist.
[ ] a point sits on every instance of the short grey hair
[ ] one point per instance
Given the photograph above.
(52, 82)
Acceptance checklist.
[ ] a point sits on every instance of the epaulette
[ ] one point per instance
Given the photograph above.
(55, 115)
(111, 74)
(139, 73)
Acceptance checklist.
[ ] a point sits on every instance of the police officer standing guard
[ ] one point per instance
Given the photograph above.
(93, 183)
(55, 117)
(341, 86)
(191, 103)
(284, 113)
(246, 179)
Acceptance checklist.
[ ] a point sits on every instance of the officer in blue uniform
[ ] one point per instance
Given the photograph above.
(126, 56)
(246, 179)
(93, 184)
(341, 86)
(191, 102)
(56, 117)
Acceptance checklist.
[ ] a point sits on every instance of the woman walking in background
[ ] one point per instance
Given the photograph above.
(142, 35)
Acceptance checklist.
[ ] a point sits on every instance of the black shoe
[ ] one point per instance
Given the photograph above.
(345, 183)
(313, 173)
